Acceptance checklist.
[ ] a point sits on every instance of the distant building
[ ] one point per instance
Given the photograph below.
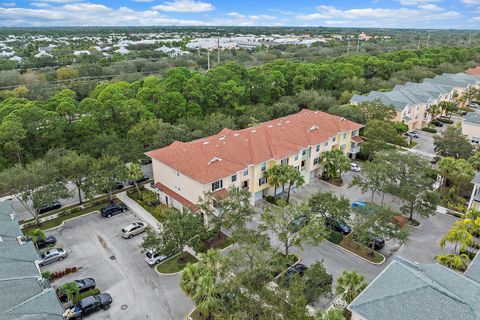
(24, 294)
(81, 52)
(407, 290)
(412, 100)
(471, 127)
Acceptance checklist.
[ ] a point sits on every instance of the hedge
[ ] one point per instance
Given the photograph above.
(431, 130)
(444, 120)
(83, 295)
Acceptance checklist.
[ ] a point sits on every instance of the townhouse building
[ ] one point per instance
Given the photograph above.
(184, 171)
(412, 100)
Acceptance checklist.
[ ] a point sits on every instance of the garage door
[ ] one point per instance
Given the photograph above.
(258, 195)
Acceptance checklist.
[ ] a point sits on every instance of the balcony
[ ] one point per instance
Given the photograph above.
(354, 150)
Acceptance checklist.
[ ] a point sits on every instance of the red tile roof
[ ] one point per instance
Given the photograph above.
(218, 156)
(474, 71)
(357, 139)
(172, 194)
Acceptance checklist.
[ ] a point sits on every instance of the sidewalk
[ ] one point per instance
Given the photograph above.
(139, 210)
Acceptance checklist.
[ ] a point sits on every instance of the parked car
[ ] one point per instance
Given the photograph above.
(113, 209)
(338, 226)
(474, 105)
(412, 134)
(377, 243)
(133, 229)
(44, 243)
(437, 123)
(83, 285)
(142, 179)
(49, 207)
(355, 167)
(52, 255)
(298, 223)
(153, 258)
(298, 269)
(89, 305)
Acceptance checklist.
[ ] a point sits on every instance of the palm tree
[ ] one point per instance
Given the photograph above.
(276, 177)
(350, 285)
(37, 234)
(134, 173)
(446, 167)
(335, 162)
(459, 235)
(462, 174)
(293, 178)
(454, 261)
(70, 289)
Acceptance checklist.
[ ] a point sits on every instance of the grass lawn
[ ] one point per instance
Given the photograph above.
(335, 237)
(196, 315)
(145, 198)
(176, 263)
(360, 250)
(58, 221)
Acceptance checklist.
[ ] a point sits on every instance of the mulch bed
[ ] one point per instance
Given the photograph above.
(413, 222)
(218, 242)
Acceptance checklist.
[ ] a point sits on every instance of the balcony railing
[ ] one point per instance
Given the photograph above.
(354, 150)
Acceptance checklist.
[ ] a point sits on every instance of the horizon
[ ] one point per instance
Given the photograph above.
(395, 14)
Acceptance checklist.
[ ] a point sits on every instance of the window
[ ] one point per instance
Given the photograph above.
(344, 136)
(316, 161)
(234, 178)
(296, 157)
(475, 140)
(334, 139)
(284, 161)
(262, 181)
(264, 166)
(245, 184)
(297, 168)
(217, 185)
(326, 144)
(342, 147)
(354, 133)
(304, 152)
(317, 148)
(245, 172)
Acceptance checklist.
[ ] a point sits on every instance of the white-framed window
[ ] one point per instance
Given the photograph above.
(344, 136)
(176, 173)
(342, 147)
(284, 161)
(304, 152)
(326, 144)
(217, 185)
(316, 161)
(296, 157)
(245, 172)
(317, 148)
(234, 178)
(475, 140)
(264, 166)
(334, 139)
(262, 181)
(354, 133)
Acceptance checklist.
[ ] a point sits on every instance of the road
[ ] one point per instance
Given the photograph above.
(22, 213)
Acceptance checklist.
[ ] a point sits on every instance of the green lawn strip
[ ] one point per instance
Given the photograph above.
(364, 252)
(58, 221)
(335, 237)
(143, 200)
(176, 263)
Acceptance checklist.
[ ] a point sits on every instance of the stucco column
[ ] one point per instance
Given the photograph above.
(474, 192)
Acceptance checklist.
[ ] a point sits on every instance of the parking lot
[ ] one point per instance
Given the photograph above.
(96, 247)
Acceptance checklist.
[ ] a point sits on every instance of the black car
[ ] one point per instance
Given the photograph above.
(298, 269)
(298, 223)
(376, 242)
(44, 243)
(113, 209)
(83, 285)
(89, 305)
(437, 123)
(338, 226)
(49, 207)
(142, 179)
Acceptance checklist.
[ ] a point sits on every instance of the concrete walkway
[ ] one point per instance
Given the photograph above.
(139, 210)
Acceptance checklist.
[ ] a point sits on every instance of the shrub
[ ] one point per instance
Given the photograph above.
(445, 120)
(431, 130)
(270, 199)
(83, 295)
(335, 237)
(47, 275)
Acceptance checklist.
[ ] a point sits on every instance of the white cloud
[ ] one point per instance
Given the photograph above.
(471, 2)
(40, 4)
(59, 1)
(430, 7)
(7, 4)
(143, 0)
(184, 6)
(416, 2)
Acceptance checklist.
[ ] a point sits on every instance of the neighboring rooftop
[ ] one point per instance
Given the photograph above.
(24, 295)
(472, 117)
(473, 71)
(230, 151)
(414, 93)
(406, 290)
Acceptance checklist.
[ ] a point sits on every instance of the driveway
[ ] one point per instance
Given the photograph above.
(117, 265)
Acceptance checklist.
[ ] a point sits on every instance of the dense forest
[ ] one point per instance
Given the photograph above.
(125, 119)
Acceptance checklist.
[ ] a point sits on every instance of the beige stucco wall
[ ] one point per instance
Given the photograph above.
(181, 184)
(356, 316)
(470, 130)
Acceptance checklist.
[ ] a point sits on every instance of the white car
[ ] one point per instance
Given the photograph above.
(153, 258)
(133, 229)
(355, 167)
(52, 255)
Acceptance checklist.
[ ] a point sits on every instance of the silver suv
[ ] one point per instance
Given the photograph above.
(133, 229)
(153, 258)
(53, 255)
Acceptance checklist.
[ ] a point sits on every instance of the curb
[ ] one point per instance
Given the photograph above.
(332, 185)
(63, 222)
(190, 313)
(371, 262)
(169, 274)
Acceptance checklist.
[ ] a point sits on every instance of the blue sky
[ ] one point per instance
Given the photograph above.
(457, 14)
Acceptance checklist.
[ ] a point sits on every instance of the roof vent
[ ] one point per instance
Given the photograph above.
(288, 121)
(342, 119)
(221, 138)
(206, 142)
(236, 134)
(254, 131)
(214, 159)
(314, 127)
(279, 124)
(270, 126)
